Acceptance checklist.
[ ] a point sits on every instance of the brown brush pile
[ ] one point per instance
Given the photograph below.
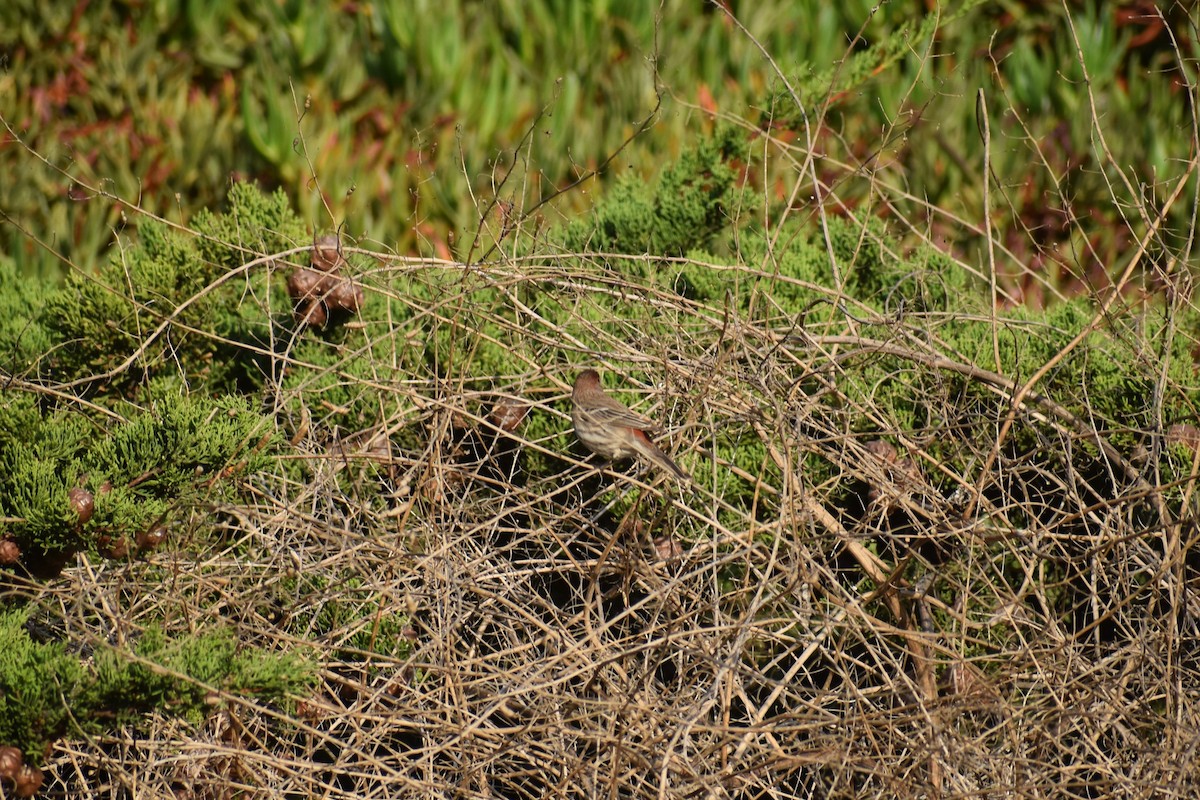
(848, 616)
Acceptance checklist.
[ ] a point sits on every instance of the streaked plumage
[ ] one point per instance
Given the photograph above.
(612, 431)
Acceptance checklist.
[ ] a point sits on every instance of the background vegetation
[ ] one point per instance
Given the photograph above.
(293, 295)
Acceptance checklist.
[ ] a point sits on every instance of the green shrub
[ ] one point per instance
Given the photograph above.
(47, 692)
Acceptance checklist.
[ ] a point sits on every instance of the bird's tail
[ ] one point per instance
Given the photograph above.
(663, 460)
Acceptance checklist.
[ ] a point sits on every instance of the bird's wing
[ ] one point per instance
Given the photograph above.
(619, 415)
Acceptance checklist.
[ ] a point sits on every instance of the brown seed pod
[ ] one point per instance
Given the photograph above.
(667, 548)
(82, 503)
(326, 254)
(150, 539)
(313, 313)
(1184, 434)
(305, 284)
(10, 762)
(345, 296)
(10, 553)
(882, 450)
(105, 488)
(28, 781)
(507, 414)
(112, 546)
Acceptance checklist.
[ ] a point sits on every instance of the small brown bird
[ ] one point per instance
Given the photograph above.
(612, 431)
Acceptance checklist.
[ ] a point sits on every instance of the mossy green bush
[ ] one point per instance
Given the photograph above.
(773, 355)
(169, 354)
(48, 691)
(35, 679)
(891, 292)
(180, 451)
(175, 303)
(682, 209)
(790, 298)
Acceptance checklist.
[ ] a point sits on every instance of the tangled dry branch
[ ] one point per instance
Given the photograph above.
(850, 616)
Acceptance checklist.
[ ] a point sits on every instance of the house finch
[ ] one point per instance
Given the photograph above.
(610, 430)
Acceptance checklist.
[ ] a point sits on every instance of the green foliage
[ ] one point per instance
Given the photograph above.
(817, 323)
(23, 339)
(46, 692)
(101, 321)
(36, 492)
(175, 96)
(441, 321)
(740, 447)
(37, 682)
(683, 209)
(795, 268)
(900, 36)
(255, 224)
(38, 465)
(20, 416)
(184, 437)
(179, 675)
(168, 302)
(145, 101)
(176, 452)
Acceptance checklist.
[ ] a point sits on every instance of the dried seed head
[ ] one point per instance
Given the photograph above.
(10, 552)
(507, 414)
(345, 296)
(150, 539)
(28, 781)
(1184, 434)
(882, 450)
(82, 503)
(667, 548)
(326, 255)
(112, 546)
(10, 762)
